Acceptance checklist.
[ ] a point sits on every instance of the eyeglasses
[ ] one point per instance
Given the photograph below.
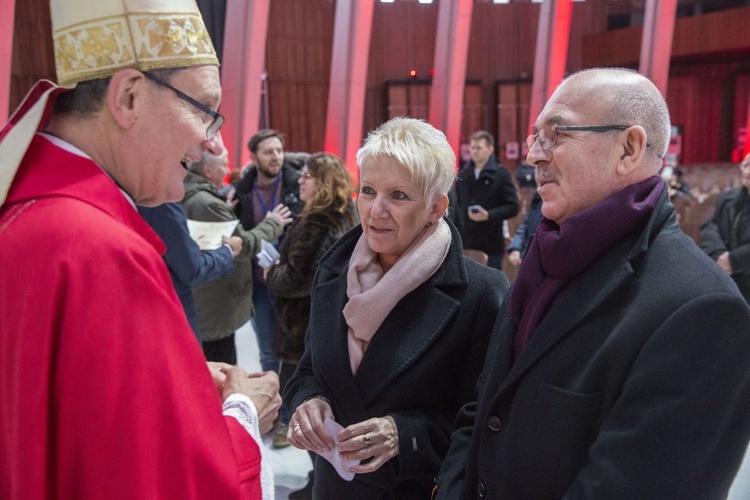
(218, 119)
(305, 175)
(548, 140)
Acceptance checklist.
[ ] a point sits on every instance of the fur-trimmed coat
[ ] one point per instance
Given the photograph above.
(307, 239)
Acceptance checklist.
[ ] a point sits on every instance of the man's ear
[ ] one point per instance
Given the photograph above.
(632, 149)
(125, 89)
(439, 206)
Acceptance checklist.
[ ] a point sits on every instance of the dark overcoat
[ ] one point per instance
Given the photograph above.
(495, 192)
(420, 368)
(729, 231)
(636, 384)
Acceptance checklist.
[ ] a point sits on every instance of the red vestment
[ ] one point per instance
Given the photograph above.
(103, 391)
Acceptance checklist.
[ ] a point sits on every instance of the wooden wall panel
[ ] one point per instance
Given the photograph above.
(501, 48)
(474, 111)
(741, 103)
(298, 62)
(398, 101)
(715, 33)
(33, 56)
(513, 119)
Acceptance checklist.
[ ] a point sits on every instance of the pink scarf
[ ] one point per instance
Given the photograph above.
(373, 294)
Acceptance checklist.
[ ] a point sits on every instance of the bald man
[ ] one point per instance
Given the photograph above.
(619, 364)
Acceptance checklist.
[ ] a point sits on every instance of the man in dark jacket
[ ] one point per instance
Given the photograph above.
(268, 181)
(726, 236)
(619, 360)
(484, 196)
(188, 265)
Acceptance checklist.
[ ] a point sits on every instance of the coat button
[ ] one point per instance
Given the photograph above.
(494, 423)
(480, 490)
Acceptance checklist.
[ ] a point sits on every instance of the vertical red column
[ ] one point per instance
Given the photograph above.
(656, 44)
(346, 94)
(551, 53)
(242, 68)
(746, 149)
(7, 20)
(449, 80)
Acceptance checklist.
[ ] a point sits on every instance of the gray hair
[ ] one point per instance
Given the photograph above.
(87, 98)
(634, 100)
(206, 158)
(421, 148)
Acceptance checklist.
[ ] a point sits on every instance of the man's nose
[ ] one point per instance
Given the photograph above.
(214, 145)
(535, 154)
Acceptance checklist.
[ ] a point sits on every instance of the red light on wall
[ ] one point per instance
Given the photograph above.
(432, 71)
(413, 73)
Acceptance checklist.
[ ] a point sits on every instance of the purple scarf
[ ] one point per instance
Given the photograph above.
(559, 253)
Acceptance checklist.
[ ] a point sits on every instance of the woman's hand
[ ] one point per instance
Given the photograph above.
(281, 214)
(376, 438)
(307, 430)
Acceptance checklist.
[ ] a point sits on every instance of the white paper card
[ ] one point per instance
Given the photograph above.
(268, 254)
(208, 234)
(341, 465)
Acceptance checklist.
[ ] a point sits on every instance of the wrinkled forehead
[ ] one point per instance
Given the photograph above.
(574, 102)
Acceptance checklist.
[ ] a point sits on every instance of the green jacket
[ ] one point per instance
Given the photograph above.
(225, 304)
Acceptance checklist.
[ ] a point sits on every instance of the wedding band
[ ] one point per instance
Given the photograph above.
(297, 428)
(367, 439)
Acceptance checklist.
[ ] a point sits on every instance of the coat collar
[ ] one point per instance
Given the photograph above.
(407, 332)
(289, 177)
(49, 171)
(586, 292)
(489, 169)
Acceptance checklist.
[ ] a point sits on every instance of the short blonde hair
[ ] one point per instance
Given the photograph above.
(421, 148)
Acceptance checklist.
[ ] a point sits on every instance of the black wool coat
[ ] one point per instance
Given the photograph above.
(420, 368)
(306, 240)
(289, 194)
(636, 384)
(495, 192)
(724, 232)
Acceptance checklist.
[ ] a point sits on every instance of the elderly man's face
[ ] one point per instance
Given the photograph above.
(745, 171)
(217, 169)
(173, 130)
(579, 170)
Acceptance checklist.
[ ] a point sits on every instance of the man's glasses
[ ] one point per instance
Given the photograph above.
(547, 136)
(218, 119)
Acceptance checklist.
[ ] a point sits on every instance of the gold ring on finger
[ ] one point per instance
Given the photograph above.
(367, 439)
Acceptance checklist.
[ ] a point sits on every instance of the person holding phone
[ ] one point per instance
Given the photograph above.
(483, 197)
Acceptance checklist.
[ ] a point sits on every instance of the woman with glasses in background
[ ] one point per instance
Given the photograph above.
(326, 190)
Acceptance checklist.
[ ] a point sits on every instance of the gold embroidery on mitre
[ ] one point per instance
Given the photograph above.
(174, 36)
(91, 50)
(97, 49)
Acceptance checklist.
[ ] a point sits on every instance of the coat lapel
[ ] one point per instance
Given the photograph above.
(574, 304)
(330, 348)
(408, 331)
(589, 290)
